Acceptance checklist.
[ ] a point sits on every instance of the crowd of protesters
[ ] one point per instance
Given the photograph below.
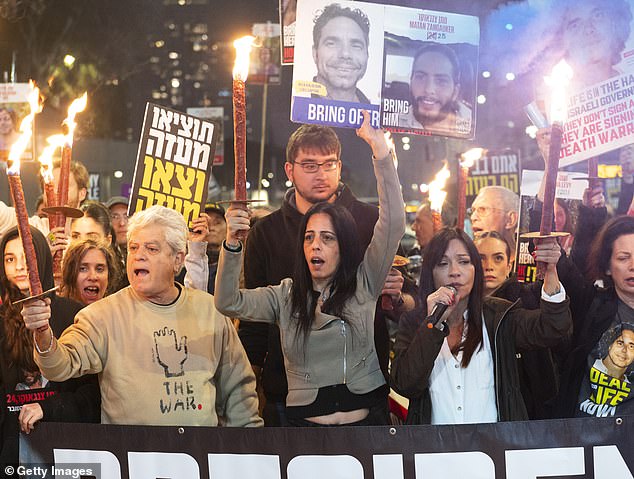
(315, 293)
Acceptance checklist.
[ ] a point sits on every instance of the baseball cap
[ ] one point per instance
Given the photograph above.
(215, 208)
(117, 200)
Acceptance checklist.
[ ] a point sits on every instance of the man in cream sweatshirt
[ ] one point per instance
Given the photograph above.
(163, 353)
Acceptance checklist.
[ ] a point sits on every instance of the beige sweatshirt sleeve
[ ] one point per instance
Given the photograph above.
(236, 399)
(79, 351)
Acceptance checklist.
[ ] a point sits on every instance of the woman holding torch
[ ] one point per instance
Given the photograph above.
(455, 356)
(76, 400)
(326, 310)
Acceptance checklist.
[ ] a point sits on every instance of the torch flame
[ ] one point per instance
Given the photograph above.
(558, 81)
(46, 158)
(243, 50)
(77, 106)
(469, 157)
(26, 130)
(435, 189)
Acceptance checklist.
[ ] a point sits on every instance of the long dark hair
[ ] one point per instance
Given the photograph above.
(434, 252)
(344, 284)
(18, 343)
(603, 246)
(100, 215)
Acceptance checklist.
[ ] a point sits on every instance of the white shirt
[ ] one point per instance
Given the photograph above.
(463, 395)
(467, 395)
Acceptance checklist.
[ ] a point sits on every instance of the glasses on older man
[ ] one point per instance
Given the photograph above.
(313, 166)
(482, 211)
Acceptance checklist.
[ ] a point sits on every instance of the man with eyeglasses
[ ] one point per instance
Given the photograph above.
(313, 165)
(496, 209)
(118, 206)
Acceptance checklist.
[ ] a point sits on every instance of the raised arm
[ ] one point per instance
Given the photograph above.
(390, 226)
(261, 304)
(553, 322)
(196, 261)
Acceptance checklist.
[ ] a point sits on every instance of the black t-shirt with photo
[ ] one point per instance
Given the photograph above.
(606, 389)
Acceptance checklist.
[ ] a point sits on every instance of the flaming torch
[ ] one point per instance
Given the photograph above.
(75, 107)
(468, 159)
(17, 193)
(558, 81)
(593, 173)
(46, 171)
(240, 72)
(59, 209)
(437, 195)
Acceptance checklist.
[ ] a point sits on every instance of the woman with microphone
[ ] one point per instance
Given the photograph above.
(455, 355)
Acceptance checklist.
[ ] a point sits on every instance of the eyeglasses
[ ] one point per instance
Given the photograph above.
(117, 217)
(313, 167)
(482, 211)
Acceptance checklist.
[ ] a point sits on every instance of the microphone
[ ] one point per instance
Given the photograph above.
(433, 320)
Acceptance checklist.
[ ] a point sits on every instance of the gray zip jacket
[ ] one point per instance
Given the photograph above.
(336, 352)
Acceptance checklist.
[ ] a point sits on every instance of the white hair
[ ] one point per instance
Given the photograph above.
(510, 200)
(172, 223)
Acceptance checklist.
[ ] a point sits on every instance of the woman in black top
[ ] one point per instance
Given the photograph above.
(28, 396)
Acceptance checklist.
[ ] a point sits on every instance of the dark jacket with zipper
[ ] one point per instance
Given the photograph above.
(510, 329)
(539, 380)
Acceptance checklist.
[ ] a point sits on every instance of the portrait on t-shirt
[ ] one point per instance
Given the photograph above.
(607, 389)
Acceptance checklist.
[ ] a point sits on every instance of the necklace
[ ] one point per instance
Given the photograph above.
(324, 295)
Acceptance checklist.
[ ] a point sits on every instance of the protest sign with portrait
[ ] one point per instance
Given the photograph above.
(264, 66)
(595, 39)
(568, 197)
(14, 106)
(429, 84)
(338, 62)
(288, 16)
(414, 70)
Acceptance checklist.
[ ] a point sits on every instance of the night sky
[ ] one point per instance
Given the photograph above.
(112, 37)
